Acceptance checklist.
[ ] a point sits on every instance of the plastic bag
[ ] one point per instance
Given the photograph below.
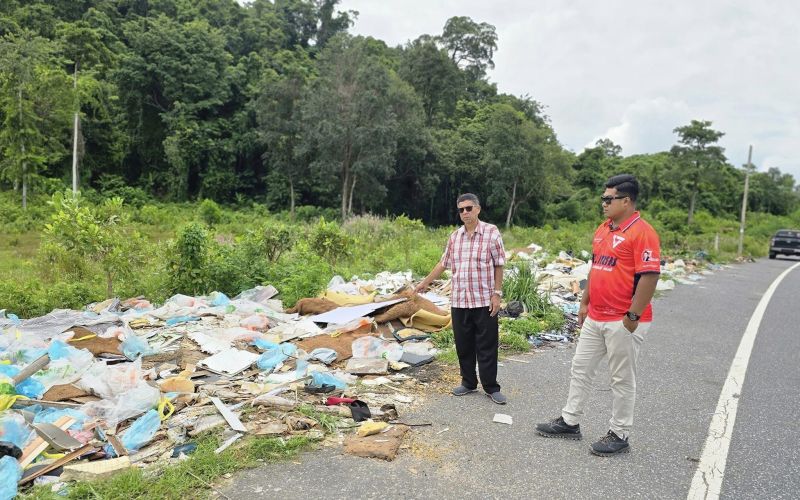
(67, 364)
(219, 299)
(141, 431)
(30, 387)
(135, 347)
(50, 415)
(255, 322)
(323, 354)
(10, 474)
(108, 381)
(15, 430)
(264, 344)
(177, 320)
(318, 379)
(113, 411)
(373, 347)
(273, 358)
(123, 389)
(186, 301)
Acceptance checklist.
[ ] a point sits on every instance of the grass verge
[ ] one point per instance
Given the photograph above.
(187, 479)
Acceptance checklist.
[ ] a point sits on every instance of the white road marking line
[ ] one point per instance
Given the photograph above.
(707, 481)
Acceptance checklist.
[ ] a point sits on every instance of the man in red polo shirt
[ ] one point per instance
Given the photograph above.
(614, 315)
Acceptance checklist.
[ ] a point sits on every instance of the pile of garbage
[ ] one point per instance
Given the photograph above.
(87, 394)
(124, 383)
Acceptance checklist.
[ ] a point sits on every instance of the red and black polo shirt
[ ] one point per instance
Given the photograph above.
(619, 257)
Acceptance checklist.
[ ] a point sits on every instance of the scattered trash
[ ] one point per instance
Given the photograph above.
(97, 469)
(502, 418)
(138, 381)
(370, 427)
(10, 473)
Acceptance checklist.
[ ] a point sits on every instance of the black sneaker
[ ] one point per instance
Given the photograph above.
(560, 429)
(610, 444)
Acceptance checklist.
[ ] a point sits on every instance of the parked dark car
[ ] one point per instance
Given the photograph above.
(785, 242)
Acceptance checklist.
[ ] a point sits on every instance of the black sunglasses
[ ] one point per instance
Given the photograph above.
(469, 208)
(608, 199)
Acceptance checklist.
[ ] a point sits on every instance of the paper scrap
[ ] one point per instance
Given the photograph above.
(502, 418)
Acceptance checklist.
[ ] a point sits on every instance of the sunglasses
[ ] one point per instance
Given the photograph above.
(608, 199)
(469, 208)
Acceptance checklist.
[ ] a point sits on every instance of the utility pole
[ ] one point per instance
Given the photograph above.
(747, 169)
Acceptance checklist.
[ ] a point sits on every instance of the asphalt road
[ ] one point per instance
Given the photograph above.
(684, 362)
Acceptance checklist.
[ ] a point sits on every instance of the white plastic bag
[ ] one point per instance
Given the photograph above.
(373, 347)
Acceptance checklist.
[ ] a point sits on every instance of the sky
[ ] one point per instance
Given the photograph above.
(633, 70)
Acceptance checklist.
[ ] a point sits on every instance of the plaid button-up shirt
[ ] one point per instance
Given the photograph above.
(472, 262)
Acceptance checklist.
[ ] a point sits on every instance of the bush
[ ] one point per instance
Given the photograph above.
(209, 212)
(81, 240)
(114, 186)
(329, 241)
(299, 274)
(189, 257)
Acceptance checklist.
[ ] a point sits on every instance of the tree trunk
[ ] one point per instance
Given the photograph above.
(75, 133)
(291, 199)
(109, 286)
(692, 201)
(24, 163)
(24, 182)
(350, 201)
(345, 188)
(511, 205)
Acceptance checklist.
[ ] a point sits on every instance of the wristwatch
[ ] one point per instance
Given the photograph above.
(499, 293)
(632, 316)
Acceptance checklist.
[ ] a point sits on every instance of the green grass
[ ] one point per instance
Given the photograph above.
(448, 356)
(327, 422)
(513, 342)
(443, 338)
(177, 481)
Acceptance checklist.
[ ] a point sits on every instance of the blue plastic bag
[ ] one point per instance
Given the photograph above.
(275, 356)
(30, 387)
(177, 320)
(50, 415)
(219, 299)
(14, 430)
(318, 379)
(141, 431)
(10, 474)
(264, 344)
(135, 346)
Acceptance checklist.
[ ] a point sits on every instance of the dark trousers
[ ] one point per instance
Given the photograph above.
(476, 339)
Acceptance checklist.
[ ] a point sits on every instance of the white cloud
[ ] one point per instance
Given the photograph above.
(635, 70)
(647, 125)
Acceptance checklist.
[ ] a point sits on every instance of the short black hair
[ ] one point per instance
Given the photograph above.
(468, 197)
(626, 184)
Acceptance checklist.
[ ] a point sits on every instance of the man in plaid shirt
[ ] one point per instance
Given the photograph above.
(475, 257)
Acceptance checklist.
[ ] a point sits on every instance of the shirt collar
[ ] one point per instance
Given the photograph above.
(480, 228)
(625, 224)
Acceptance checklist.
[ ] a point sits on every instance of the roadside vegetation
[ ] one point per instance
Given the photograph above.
(68, 253)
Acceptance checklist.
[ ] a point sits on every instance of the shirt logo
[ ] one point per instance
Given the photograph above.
(616, 241)
(647, 255)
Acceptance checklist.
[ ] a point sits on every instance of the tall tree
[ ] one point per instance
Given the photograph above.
(434, 76)
(85, 47)
(35, 97)
(278, 115)
(470, 45)
(348, 121)
(699, 155)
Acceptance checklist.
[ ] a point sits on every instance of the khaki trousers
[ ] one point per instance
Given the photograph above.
(596, 340)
